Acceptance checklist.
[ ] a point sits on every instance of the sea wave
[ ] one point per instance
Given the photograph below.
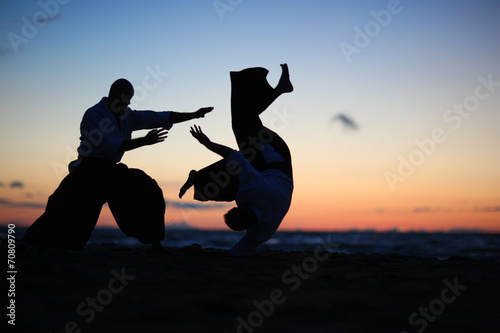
(438, 245)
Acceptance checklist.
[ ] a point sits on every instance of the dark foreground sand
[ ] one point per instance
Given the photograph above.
(107, 288)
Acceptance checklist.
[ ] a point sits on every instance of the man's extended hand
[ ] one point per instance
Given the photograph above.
(197, 133)
(179, 117)
(203, 111)
(155, 136)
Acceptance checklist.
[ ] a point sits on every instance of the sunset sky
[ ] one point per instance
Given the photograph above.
(420, 79)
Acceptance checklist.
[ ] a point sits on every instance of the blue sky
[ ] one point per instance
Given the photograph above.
(428, 57)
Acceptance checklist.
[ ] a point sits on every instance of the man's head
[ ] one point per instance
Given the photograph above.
(120, 94)
(239, 218)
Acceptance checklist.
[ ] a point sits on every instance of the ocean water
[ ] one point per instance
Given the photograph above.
(438, 245)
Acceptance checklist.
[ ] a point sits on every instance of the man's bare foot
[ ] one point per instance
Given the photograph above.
(188, 184)
(284, 84)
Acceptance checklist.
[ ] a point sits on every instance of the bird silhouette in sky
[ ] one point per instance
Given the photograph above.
(346, 121)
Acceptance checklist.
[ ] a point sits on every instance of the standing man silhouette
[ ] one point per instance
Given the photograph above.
(97, 177)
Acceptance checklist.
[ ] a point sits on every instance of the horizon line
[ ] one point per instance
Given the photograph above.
(180, 226)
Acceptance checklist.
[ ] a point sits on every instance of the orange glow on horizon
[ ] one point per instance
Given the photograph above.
(325, 210)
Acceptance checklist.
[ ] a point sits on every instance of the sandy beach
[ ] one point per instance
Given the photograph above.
(110, 288)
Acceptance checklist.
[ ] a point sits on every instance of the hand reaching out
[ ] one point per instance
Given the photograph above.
(203, 111)
(197, 133)
(155, 136)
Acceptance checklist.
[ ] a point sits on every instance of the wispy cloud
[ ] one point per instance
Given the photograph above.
(487, 209)
(8, 203)
(16, 184)
(431, 209)
(426, 209)
(15, 29)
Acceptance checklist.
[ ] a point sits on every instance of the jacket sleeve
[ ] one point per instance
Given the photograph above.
(150, 119)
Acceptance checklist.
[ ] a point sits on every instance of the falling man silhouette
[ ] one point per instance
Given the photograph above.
(258, 176)
(97, 177)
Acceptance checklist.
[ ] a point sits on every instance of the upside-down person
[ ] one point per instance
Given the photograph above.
(258, 176)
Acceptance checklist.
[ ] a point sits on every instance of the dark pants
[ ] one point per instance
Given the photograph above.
(71, 214)
(251, 94)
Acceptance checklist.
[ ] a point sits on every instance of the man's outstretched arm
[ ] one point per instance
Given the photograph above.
(179, 117)
(219, 149)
